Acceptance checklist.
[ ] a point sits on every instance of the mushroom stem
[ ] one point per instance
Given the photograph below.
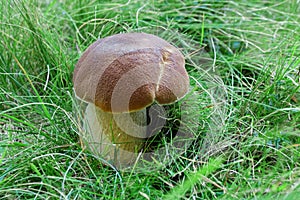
(115, 137)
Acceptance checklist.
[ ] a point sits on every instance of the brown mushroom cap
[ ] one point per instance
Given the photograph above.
(128, 72)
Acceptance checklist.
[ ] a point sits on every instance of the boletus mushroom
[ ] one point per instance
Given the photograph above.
(119, 77)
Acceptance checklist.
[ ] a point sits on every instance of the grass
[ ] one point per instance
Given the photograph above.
(248, 144)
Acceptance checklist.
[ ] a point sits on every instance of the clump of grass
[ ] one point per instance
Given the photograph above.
(252, 45)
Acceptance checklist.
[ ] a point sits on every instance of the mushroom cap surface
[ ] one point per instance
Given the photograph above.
(128, 72)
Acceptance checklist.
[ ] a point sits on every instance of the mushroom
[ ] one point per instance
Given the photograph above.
(119, 77)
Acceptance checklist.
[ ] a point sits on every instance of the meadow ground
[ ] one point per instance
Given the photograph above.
(247, 105)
